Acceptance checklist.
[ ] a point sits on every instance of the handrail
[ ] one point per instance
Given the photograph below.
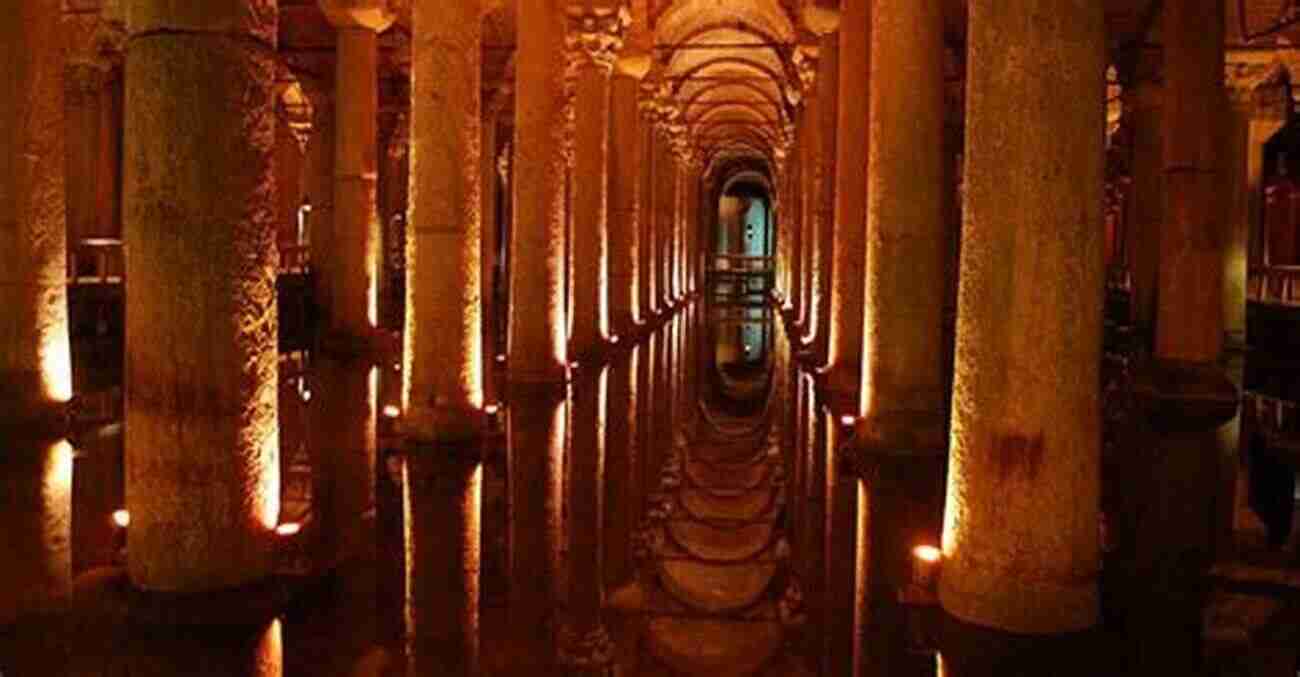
(1274, 284)
(100, 261)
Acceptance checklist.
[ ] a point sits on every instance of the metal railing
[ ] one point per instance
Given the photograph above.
(1278, 285)
(96, 260)
(100, 261)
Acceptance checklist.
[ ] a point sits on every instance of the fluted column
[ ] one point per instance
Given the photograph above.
(35, 360)
(1020, 535)
(201, 316)
(538, 323)
(625, 213)
(594, 40)
(850, 257)
(444, 295)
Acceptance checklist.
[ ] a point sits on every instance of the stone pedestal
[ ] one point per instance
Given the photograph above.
(1021, 533)
(202, 457)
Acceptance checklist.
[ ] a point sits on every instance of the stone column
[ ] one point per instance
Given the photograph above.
(201, 318)
(585, 646)
(538, 324)
(1143, 111)
(538, 429)
(901, 439)
(648, 295)
(35, 359)
(441, 508)
(843, 547)
(1020, 537)
(665, 168)
(808, 151)
(444, 292)
(625, 192)
(844, 356)
(594, 40)
(903, 328)
(490, 250)
(1183, 395)
(790, 209)
(828, 84)
(354, 268)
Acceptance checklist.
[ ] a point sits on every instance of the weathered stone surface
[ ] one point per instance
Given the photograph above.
(1020, 541)
(202, 456)
(712, 647)
(717, 588)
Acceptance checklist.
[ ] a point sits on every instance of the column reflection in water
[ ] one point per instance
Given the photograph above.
(36, 499)
(646, 415)
(345, 449)
(586, 647)
(169, 652)
(442, 505)
(623, 466)
(537, 436)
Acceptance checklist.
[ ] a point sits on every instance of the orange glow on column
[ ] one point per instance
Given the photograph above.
(56, 355)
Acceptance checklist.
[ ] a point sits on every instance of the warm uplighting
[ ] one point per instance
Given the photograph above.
(306, 395)
(397, 367)
(848, 421)
(492, 409)
(925, 564)
(392, 411)
(121, 518)
(614, 339)
(501, 358)
(288, 529)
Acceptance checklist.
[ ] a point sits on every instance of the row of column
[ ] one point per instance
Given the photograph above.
(1021, 436)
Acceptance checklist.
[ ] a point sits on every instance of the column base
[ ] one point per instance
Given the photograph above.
(968, 650)
(46, 420)
(434, 427)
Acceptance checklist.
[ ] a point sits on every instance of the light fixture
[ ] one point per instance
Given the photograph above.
(121, 518)
(288, 529)
(925, 564)
(848, 421)
(501, 357)
(492, 409)
(392, 411)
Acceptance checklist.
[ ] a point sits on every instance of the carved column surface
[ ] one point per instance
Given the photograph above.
(35, 361)
(594, 41)
(1020, 536)
(626, 196)
(538, 321)
(444, 339)
(202, 459)
(844, 356)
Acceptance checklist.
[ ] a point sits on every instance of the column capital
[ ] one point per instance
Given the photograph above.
(376, 15)
(806, 58)
(597, 36)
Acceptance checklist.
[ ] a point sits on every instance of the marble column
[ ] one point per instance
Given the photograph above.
(594, 42)
(1143, 112)
(538, 322)
(665, 167)
(625, 194)
(201, 356)
(901, 439)
(844, 357)
(1184, 397)
(648, 287)
(586, 647)
(828, 84)
(444, 340)
(35, 358)
(1020, 538)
